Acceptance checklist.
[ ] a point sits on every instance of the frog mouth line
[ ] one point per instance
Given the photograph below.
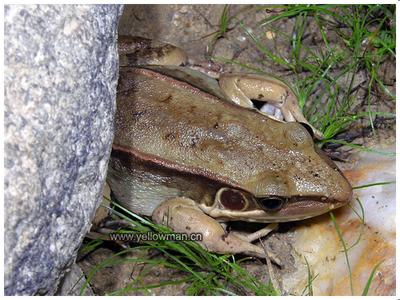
(321, 199)
(309, 203)
(258, 216)
(313, 202)
(294, 211)
(292, 200)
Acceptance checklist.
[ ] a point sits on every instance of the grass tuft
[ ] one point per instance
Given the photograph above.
(203, 273)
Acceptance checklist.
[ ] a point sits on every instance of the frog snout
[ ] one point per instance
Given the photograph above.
(338, 187)
(344, 192)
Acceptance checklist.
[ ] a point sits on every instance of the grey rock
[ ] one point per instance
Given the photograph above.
(72, 283)
(61, 69)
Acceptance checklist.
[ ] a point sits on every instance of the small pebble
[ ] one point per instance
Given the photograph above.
(270, 35)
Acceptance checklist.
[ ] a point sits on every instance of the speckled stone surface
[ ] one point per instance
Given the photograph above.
(60, 85)
(74, 280)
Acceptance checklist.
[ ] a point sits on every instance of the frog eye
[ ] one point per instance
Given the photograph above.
(272, 203)
(231, 199)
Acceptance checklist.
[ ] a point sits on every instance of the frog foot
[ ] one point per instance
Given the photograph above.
(183, 215)
(241, 88)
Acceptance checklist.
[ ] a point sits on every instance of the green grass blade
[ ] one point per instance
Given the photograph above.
(339, 233)
(373, 184)
(370, 278)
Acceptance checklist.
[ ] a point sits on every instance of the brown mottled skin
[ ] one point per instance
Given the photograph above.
(199, 143)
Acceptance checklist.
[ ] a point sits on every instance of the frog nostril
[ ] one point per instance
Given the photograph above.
(272, 203)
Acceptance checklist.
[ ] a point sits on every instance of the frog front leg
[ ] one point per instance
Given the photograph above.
(241, 88)
(184, 216)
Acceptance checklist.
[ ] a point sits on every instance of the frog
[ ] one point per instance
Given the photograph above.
(193, 153)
